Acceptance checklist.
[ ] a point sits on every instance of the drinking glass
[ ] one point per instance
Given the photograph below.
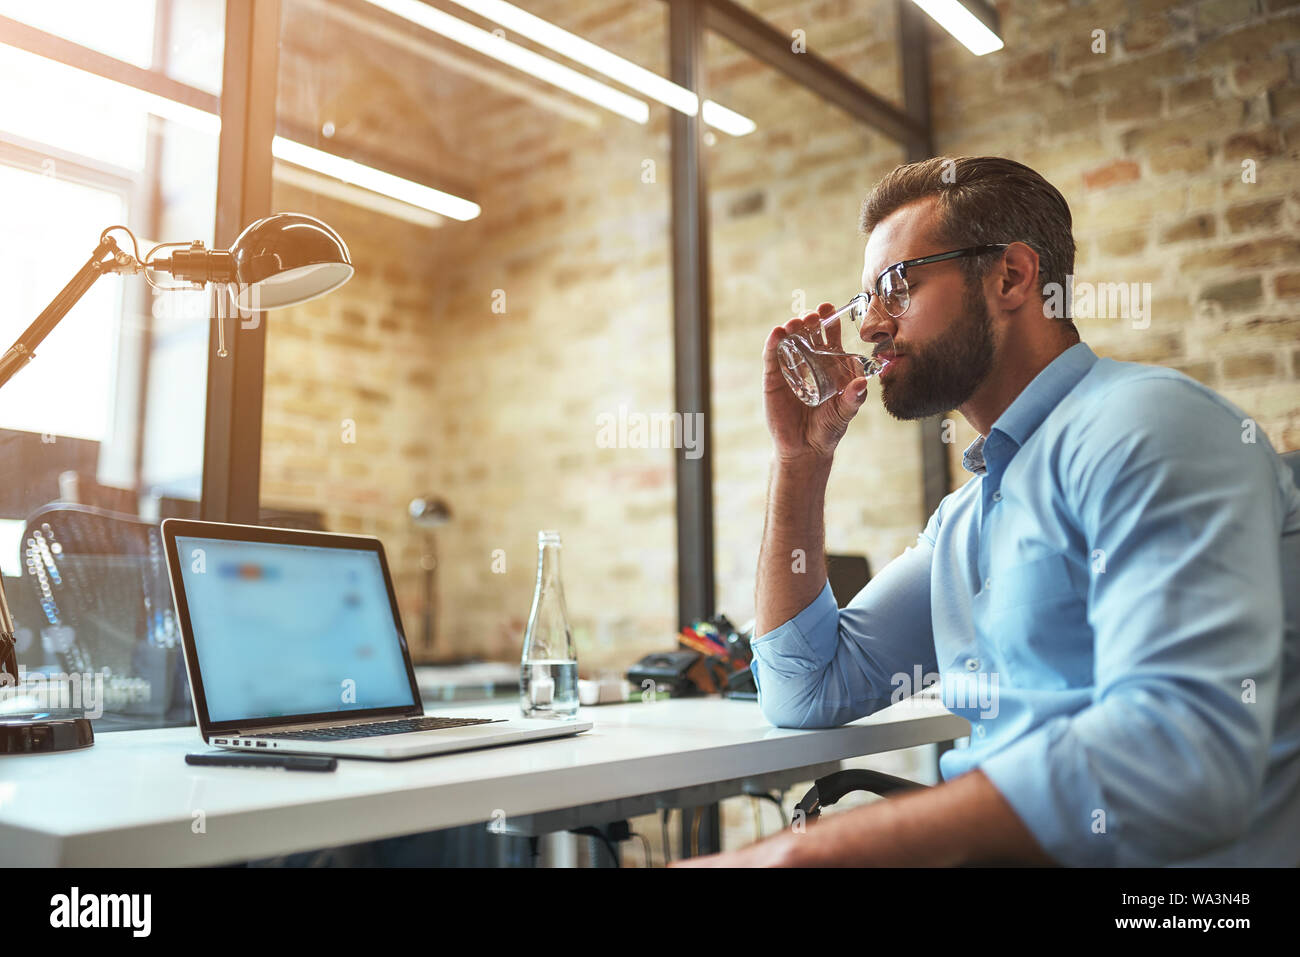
(820, 362)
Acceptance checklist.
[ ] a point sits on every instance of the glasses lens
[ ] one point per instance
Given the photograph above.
(858, 308)
(893, 293)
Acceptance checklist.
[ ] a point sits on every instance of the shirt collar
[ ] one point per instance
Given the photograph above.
(1028, 410)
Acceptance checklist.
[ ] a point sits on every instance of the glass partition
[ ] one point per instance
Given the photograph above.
(783, 208)
(504, 350)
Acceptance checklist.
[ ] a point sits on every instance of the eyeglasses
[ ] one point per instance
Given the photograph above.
(891, 285)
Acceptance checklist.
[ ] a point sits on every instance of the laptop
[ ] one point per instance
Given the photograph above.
(293, 643)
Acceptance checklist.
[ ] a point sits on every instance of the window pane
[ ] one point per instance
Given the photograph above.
(102, 434)
(496, 363)
(124, 29)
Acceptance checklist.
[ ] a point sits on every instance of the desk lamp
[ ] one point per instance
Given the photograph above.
(280, 260)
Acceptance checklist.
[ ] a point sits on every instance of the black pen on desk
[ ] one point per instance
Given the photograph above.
(290, 762)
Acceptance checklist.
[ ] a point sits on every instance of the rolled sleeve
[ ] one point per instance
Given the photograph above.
(1046, 778)
(827, 666)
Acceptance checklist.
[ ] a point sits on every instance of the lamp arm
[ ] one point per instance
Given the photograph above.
(107, 257)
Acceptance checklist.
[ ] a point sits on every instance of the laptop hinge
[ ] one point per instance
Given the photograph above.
(314, 725)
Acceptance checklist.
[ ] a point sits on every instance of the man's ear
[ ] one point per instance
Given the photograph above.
(1016, 277)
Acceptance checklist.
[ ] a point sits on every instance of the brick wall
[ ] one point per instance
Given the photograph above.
(1147, 142)
(497, 412)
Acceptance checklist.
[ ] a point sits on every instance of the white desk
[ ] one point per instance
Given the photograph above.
(131, 800)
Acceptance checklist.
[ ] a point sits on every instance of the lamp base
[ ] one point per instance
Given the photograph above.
(44, 732)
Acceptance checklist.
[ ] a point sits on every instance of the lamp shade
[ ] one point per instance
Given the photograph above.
(286, 259)
(429, 512)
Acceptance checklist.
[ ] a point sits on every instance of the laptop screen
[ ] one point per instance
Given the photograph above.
(284, 630)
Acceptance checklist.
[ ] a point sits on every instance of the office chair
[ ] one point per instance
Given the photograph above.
(848, 575)
(827, 790)
(100, 579)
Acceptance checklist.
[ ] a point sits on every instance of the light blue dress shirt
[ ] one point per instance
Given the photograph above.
(1113, 602)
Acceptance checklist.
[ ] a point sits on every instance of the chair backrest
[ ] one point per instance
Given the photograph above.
(848, 575)
(1293, 459)
(100, 578)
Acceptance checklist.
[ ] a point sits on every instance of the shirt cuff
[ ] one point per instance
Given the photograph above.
(804, 637)
(1044, 776)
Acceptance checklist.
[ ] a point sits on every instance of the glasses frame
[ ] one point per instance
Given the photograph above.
(903, 265)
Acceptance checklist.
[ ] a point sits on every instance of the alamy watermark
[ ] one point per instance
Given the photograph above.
(1099, 300)
(972, 690)
(651, 430)
(51, 691)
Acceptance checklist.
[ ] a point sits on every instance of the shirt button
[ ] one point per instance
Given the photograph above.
(972, 664)
(979, 730)
(997, 496)
(988, 583)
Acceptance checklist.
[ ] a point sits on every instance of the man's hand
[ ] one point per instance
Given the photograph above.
(965, 821)
(775, 851)
(800, 431)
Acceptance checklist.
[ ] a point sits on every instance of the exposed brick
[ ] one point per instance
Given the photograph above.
(1117, 80)
(1216, 14)
(1282, 330)
(1256, 41)
(1191, 93)
(1181, 159)
(1075, 119)
(1237, 294)
(1076, 52)
(1146, 33)
(1120, 171)
(1260, 252)
(1143, 104)
(1257, 76)
(751, 202)
(1249, 216)
(1194, 227)
(1201, 126)
(1253, 144)
(1287, 285)
(1202, 372)
(1254, 365)
(1032, 68)
(1124, 243)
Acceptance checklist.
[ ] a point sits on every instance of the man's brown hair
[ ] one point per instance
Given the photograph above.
(984, 199)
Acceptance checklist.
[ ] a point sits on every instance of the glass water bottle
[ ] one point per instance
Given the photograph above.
(548, 673)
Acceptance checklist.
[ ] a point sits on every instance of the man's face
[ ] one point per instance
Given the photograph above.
(944, 340)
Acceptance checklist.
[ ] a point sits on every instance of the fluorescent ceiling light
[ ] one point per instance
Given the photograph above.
(377, 181)
(290, 174)
(366, 177)
(512, 54)
(585, 52)
(968, 29)
(729, 121)
(575, 48)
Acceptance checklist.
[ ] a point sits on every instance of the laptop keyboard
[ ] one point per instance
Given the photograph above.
(401, 726)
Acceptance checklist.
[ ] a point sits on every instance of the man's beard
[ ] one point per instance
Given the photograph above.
(943, 375)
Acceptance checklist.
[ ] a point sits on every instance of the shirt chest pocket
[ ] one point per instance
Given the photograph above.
(1043, 581)
(1037, 619)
